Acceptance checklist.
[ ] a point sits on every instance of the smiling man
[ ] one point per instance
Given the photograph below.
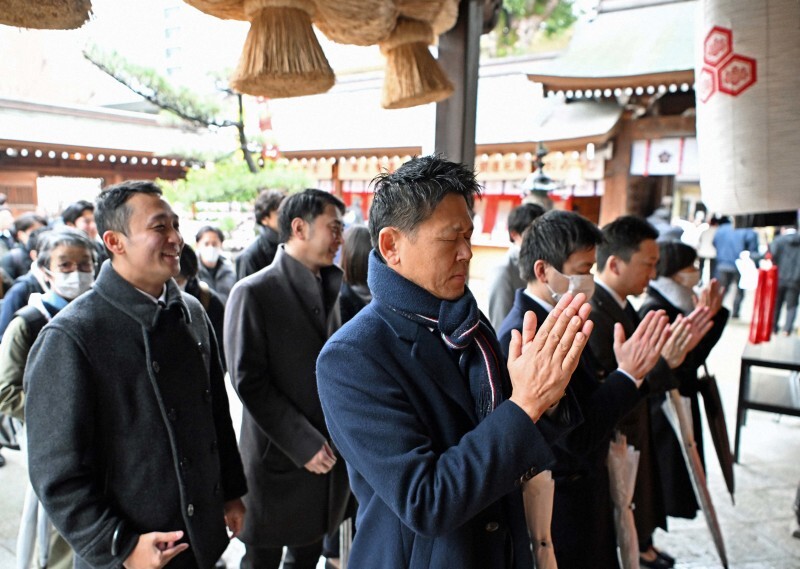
(131, 447)
(418, 399)
(276, 322)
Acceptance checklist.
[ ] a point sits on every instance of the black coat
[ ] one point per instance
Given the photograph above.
(583, 524)
(649, 513)
(128, 425)
(258, 254)
(350, 302)
(679, 497)
(275, 327)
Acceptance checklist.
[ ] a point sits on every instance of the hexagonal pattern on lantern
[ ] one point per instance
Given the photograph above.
(717, 46)
(706, 84)
(736, 74)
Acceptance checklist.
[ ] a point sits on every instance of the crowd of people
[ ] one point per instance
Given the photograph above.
(372, 385)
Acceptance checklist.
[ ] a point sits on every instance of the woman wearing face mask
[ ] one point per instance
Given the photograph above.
(215, 269)
(67, 261)
(674, 291)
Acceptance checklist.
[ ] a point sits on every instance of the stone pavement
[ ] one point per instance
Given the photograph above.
(757, 529)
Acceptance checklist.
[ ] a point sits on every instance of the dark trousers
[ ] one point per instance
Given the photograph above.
(303, 557)
(729, 279)
(789, 295)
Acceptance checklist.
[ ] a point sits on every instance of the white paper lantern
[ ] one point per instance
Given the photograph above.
(747, 77)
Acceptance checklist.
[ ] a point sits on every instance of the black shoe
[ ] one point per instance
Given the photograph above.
(665, 557)
(2, 460)
(796, 533)
(657, 563)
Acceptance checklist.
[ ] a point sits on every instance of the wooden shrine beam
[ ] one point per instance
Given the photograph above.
(459, 54)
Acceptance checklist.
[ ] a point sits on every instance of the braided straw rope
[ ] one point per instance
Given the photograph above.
(45, 14)
(356, 22)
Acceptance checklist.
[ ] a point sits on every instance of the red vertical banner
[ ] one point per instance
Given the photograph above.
(764, 306)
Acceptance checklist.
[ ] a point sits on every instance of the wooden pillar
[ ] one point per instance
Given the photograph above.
(459, 53)
(615, 197)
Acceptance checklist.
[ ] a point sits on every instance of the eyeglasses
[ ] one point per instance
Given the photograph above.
(69, 266)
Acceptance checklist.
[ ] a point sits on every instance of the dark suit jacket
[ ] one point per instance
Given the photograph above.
(276, 323)
(435, 487)
(649, 512)
(583, 527)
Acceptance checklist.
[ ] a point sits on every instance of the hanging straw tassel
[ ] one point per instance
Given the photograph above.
(413, 76)
(281, 55)
(223, 9)
(45, 14)
(356, 22)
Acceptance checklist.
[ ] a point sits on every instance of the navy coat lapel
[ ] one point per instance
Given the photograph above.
(430, 355)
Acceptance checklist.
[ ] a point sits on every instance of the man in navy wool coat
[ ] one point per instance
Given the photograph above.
(418, 399)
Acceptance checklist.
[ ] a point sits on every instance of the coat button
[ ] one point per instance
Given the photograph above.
(316, 310)
(200, 347)
(207, 395)
(172, 414)
(190, 510)
(492, 527)
(214, 447)
(156, 367)
(217, 489)
(185, 462)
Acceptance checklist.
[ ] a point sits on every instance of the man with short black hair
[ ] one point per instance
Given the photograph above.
(419, 401)
(276, 322)
(505, 278)
(626, 262)
(261, 252)
(80, 215)
(140, 467)
(557, 256)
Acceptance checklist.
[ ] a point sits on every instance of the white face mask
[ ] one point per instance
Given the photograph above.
(689, 279)
(70, 286)
(572, 283)
(210, 254)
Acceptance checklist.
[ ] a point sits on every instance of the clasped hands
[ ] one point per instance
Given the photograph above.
(541, 363)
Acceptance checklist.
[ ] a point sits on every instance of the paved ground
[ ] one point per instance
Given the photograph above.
(757, 529)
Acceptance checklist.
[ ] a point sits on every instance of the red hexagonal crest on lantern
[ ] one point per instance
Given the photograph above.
(736, 74)
(717, 46)
(707, 85)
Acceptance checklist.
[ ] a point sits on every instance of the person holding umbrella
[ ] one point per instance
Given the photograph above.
(673, 292)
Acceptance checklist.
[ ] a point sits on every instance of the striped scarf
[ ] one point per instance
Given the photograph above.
(458, 322)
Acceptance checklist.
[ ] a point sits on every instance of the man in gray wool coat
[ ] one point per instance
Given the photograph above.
(130, 442)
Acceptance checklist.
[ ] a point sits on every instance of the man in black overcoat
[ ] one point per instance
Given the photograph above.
(276, 322)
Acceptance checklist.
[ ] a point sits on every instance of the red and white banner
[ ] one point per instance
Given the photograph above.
(665, 157)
